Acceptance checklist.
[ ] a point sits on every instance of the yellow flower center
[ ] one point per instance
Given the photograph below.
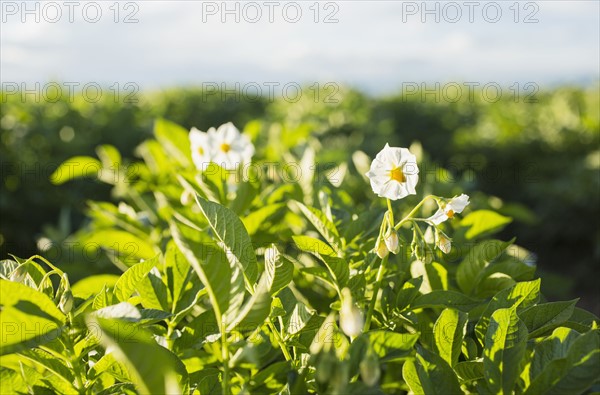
(225, 147)
(450, 213)
(396, 174)
(201, 151)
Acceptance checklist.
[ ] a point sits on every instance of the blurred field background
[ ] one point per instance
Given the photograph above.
(538, 162)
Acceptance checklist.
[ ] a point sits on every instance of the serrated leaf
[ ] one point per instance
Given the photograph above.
(482, 222)
(76, 167)
(504, 347)
(544, 317)
(322, 224)
(230, 230)
(449, 331)
(27, 317)
(338, 268)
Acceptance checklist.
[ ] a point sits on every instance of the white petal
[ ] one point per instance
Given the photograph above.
(458, 204)
(439, 217)
(228, 132)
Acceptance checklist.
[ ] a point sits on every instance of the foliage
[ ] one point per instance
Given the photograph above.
(249, 281)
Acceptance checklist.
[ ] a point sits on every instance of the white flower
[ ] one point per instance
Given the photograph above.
(201, 148)
(394, 173)
(225, 146)
(231, 149)
(351, 318)
(455, 206)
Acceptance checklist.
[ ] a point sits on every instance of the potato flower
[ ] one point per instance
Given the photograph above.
(225, 146)
(394, 173)
(456, 205)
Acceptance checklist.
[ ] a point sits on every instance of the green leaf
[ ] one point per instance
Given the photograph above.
(109, 156)
(435, 275)
(552, 347)
(521, 296)
(323, 225)
(128, 247)
(338, 268)
(123, 311)
(256, 218)
(574, 373)
(408, 293)
(449, 331)
(28, 317)
(178, 271)
(229, 229)
(279, 271)
(131, 279)
(544, 317)
(442, 298)
(76, 167)
(504, 347)
(428, 374)
(470, 370)
(483, 222)
(92, 285)
(135, 348)
(391, 345)
(470, 270)
(253, 314)
(211, 266)
(153, 291)
(174, 140)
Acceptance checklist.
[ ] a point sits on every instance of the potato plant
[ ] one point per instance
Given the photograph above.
(244, 275)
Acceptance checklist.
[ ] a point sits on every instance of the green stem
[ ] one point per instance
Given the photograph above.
(225, 355)
(389, 204)
(279, 339)
(374, 297)
(413, 212)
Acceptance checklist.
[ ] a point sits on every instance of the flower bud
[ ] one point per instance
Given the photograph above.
(381, 249)
(444, 243)
(369, 369)
(18, 275)
(66, 301)
(391, 241)
(351, 318)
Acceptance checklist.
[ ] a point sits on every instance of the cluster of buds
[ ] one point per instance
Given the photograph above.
(388, 240)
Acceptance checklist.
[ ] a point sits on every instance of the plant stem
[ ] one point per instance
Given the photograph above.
(279, 339)
(413, 212)
(389, 204)
(225, 355)
(374, 297)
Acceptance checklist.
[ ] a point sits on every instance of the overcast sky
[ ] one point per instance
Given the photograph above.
(373, 45)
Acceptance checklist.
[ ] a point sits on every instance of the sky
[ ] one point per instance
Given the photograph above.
(376, 46)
